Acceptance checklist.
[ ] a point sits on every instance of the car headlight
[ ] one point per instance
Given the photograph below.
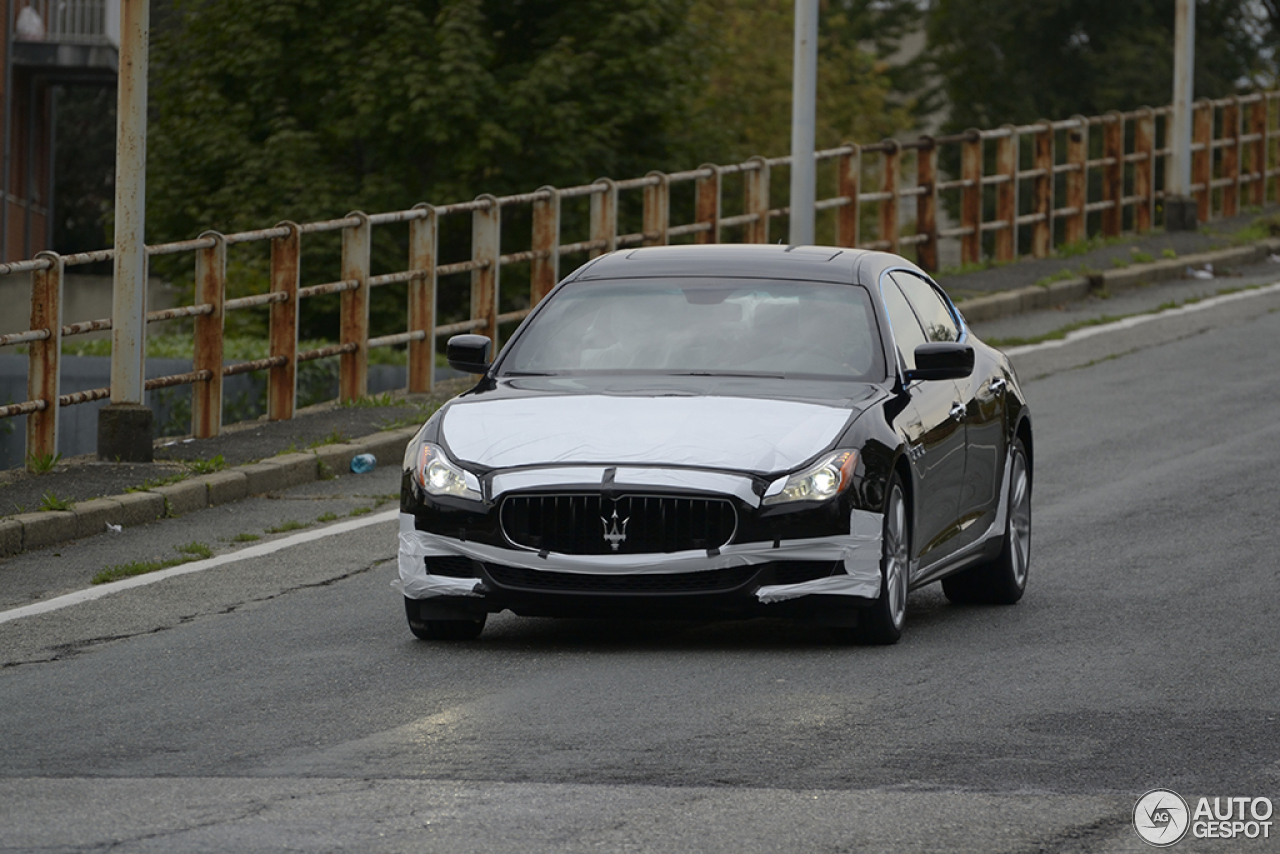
(438, 475)
(826, 478)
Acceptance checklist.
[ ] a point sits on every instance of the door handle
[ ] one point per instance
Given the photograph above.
(997, 386)
(957, 410)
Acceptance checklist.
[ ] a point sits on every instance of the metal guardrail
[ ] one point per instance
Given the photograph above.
(1106, 185)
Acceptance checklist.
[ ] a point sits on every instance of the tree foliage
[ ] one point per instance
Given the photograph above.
(305, 109)
(743, 106)
(1017, 61)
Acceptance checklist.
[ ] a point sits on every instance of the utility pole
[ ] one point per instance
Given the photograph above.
(1179, 205)
(804, 99)
(124, 426)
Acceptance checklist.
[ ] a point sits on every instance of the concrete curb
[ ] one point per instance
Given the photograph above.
(1036, 297)
(29, 531)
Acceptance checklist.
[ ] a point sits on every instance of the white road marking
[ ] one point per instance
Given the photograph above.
(1138, 320)
(97, 592)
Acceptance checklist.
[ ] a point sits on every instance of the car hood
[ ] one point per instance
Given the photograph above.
(737, 433)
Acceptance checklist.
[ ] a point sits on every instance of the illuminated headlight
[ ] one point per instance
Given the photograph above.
(824, 479)
(438, 475)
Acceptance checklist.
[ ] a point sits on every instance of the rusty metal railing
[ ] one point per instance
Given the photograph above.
(1084, 175)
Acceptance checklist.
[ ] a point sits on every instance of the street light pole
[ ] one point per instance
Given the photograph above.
(804, 85)
(1179, 204)
(124, 426)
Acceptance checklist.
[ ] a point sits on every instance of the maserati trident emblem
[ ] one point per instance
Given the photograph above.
(612, 535)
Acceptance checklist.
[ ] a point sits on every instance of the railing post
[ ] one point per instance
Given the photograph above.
(604, 217)
(927, 203)
(1077, 226)
(211, 282)
(757, 200)
(657, 210)
(971, 197)
(1113, 174)
(1266, 147)
(889, 185)
(353, 366)
(1231, 157)
(850, 181)
(1144, 170)
(43, 373)
(1007, 195)
(282, 380)
(1042, 192)
(546, 241)
(1258, 150)
(423, 233)
(1202, 158)
(706, 204)
(486, 233)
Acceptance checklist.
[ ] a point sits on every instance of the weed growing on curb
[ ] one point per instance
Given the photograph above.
(283, 527)
(50, 501)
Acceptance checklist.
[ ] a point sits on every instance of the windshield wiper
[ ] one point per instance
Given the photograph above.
(530, 374)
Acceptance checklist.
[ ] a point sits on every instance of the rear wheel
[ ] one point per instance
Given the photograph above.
(881, 624)
(1003, 580)
(464, 629)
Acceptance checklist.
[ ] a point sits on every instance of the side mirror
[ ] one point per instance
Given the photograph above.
(469, 353)
(942, 360)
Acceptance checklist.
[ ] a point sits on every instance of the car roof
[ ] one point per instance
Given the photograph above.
(742, 260)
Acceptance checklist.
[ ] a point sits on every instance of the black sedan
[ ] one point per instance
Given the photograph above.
(722, 431)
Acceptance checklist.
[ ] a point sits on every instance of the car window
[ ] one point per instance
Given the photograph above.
(703, 326)
(906, 328)
(934, 315)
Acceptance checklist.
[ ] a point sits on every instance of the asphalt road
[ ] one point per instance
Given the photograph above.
(279, 703)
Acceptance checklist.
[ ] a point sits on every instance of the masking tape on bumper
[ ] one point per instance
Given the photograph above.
(859, 551)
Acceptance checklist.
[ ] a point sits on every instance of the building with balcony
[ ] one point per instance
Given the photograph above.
(47, 45)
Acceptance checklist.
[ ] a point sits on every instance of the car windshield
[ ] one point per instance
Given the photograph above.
(700, 326)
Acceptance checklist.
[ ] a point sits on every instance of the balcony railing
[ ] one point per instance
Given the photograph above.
(67, 21)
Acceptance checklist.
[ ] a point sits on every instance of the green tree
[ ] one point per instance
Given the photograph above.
(1017, 61)
(743, 105)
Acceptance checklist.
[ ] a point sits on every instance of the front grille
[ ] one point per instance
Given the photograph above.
(710, 581)
(631, 524)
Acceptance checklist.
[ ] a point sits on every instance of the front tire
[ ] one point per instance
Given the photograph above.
(442, 630)
(1003, 580)
(881, 624)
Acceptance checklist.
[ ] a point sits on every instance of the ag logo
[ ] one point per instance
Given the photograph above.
(1161, 817)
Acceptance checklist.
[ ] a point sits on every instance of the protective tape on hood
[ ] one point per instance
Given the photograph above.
(859, 551)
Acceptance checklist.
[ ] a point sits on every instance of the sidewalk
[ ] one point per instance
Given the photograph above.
(1006, 305)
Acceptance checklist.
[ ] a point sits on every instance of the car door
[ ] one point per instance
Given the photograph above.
(933, 425)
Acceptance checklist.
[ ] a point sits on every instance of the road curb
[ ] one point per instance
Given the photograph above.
(1038, 297)
(28, 531)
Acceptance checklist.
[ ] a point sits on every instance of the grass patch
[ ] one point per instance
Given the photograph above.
(361, 511)
(369, 401)
(152, 482)
(50, 501)
(1140, 257)
(325, 471)
(1060, 276)
(283, 527)
(335, 437)
(1082, 247)
(195, 551)
(1119, 263)
(42, 463)
(327, 517)
(186, 554)
(1169, 253)
(209, 466)
(245, 538)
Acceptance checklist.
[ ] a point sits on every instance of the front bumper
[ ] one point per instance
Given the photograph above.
(854, 579)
